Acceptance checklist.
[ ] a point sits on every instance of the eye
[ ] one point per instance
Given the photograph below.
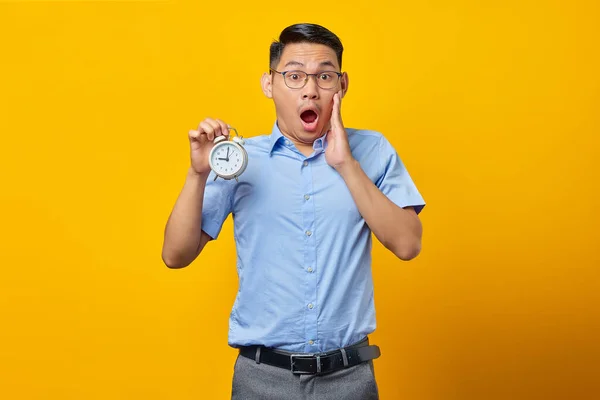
(294, 77)
(326, 76)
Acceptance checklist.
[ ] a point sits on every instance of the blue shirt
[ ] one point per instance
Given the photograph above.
(303, 249)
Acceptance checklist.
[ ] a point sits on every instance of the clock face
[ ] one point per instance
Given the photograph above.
(227, 159)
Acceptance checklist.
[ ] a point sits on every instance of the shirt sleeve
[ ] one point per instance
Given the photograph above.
(395, 181)
(217, 204)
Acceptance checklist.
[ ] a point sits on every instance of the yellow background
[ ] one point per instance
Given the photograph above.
(494, 106)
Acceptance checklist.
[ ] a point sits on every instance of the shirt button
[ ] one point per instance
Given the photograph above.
(306, 197)
(311, 342)
(310, 306)
(309, 269)
(287, 142)
(305, 163)
(308, 233)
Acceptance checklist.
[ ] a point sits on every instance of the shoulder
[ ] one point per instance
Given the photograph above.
(257, 140)
(365, 136)
(258, 143)
(368, 140)
(363, 133)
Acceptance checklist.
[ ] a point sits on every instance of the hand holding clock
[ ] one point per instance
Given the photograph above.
(201, 143)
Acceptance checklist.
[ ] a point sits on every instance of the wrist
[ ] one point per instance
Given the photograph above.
(348, 168)
(193, 175)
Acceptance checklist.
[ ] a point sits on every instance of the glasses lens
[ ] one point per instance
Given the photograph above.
(295, 79)
(327, 80)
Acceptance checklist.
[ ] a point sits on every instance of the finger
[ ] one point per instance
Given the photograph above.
(224, 128)
(194, 135)
(196, 139)
(215, 125)
(334, 109)
(337, 114)
(207, 129)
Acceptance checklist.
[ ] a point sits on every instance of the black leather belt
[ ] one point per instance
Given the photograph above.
(313, 363)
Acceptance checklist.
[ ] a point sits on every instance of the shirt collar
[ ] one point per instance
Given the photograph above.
(277, 136)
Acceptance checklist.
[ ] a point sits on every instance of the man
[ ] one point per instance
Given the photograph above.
(303, 213)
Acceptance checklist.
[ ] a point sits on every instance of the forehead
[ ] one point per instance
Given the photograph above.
(308, 56)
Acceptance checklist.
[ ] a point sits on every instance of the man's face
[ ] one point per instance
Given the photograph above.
(304, 114)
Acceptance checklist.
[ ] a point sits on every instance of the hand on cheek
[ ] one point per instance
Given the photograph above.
(338, 151)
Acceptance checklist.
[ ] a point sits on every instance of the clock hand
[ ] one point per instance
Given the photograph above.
(223, 159)
(227, 154)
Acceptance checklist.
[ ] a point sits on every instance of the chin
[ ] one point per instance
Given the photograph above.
(313, 133)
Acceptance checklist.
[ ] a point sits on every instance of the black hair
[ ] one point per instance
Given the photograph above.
(305, 33)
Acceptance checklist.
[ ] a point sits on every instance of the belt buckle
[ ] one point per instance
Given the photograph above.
(304, 357)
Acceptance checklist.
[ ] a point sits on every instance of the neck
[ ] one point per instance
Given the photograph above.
(305, 148)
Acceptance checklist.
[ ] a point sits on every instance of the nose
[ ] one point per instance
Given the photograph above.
(311, 89)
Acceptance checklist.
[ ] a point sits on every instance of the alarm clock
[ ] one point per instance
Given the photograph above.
(228, 158)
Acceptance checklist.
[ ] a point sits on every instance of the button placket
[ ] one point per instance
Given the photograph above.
(310, 251)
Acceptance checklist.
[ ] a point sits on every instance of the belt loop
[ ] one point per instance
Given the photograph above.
(257, 357)
(318, 364)
(344, 357)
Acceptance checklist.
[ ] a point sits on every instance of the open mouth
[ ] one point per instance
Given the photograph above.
(309, 119)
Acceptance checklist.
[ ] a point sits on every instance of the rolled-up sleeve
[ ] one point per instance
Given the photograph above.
(395, 181)
(217, 204)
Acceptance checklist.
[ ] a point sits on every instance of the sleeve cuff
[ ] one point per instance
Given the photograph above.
(211, 228)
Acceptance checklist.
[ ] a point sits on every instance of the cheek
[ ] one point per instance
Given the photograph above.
(285, 104)
(284, 110)
(326, 115)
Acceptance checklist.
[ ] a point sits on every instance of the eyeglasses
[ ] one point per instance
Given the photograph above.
(298, 79)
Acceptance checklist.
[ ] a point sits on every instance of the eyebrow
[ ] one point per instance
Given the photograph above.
(299, 64)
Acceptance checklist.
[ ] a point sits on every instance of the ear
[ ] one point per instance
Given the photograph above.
(345, 82)
(267, 85)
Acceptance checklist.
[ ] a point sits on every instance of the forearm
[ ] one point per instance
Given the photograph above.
(398, 229)
(183, 232)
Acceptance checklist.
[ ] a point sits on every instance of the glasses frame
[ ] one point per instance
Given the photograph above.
(283, 73)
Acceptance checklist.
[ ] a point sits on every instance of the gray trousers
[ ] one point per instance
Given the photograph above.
(252, 381)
